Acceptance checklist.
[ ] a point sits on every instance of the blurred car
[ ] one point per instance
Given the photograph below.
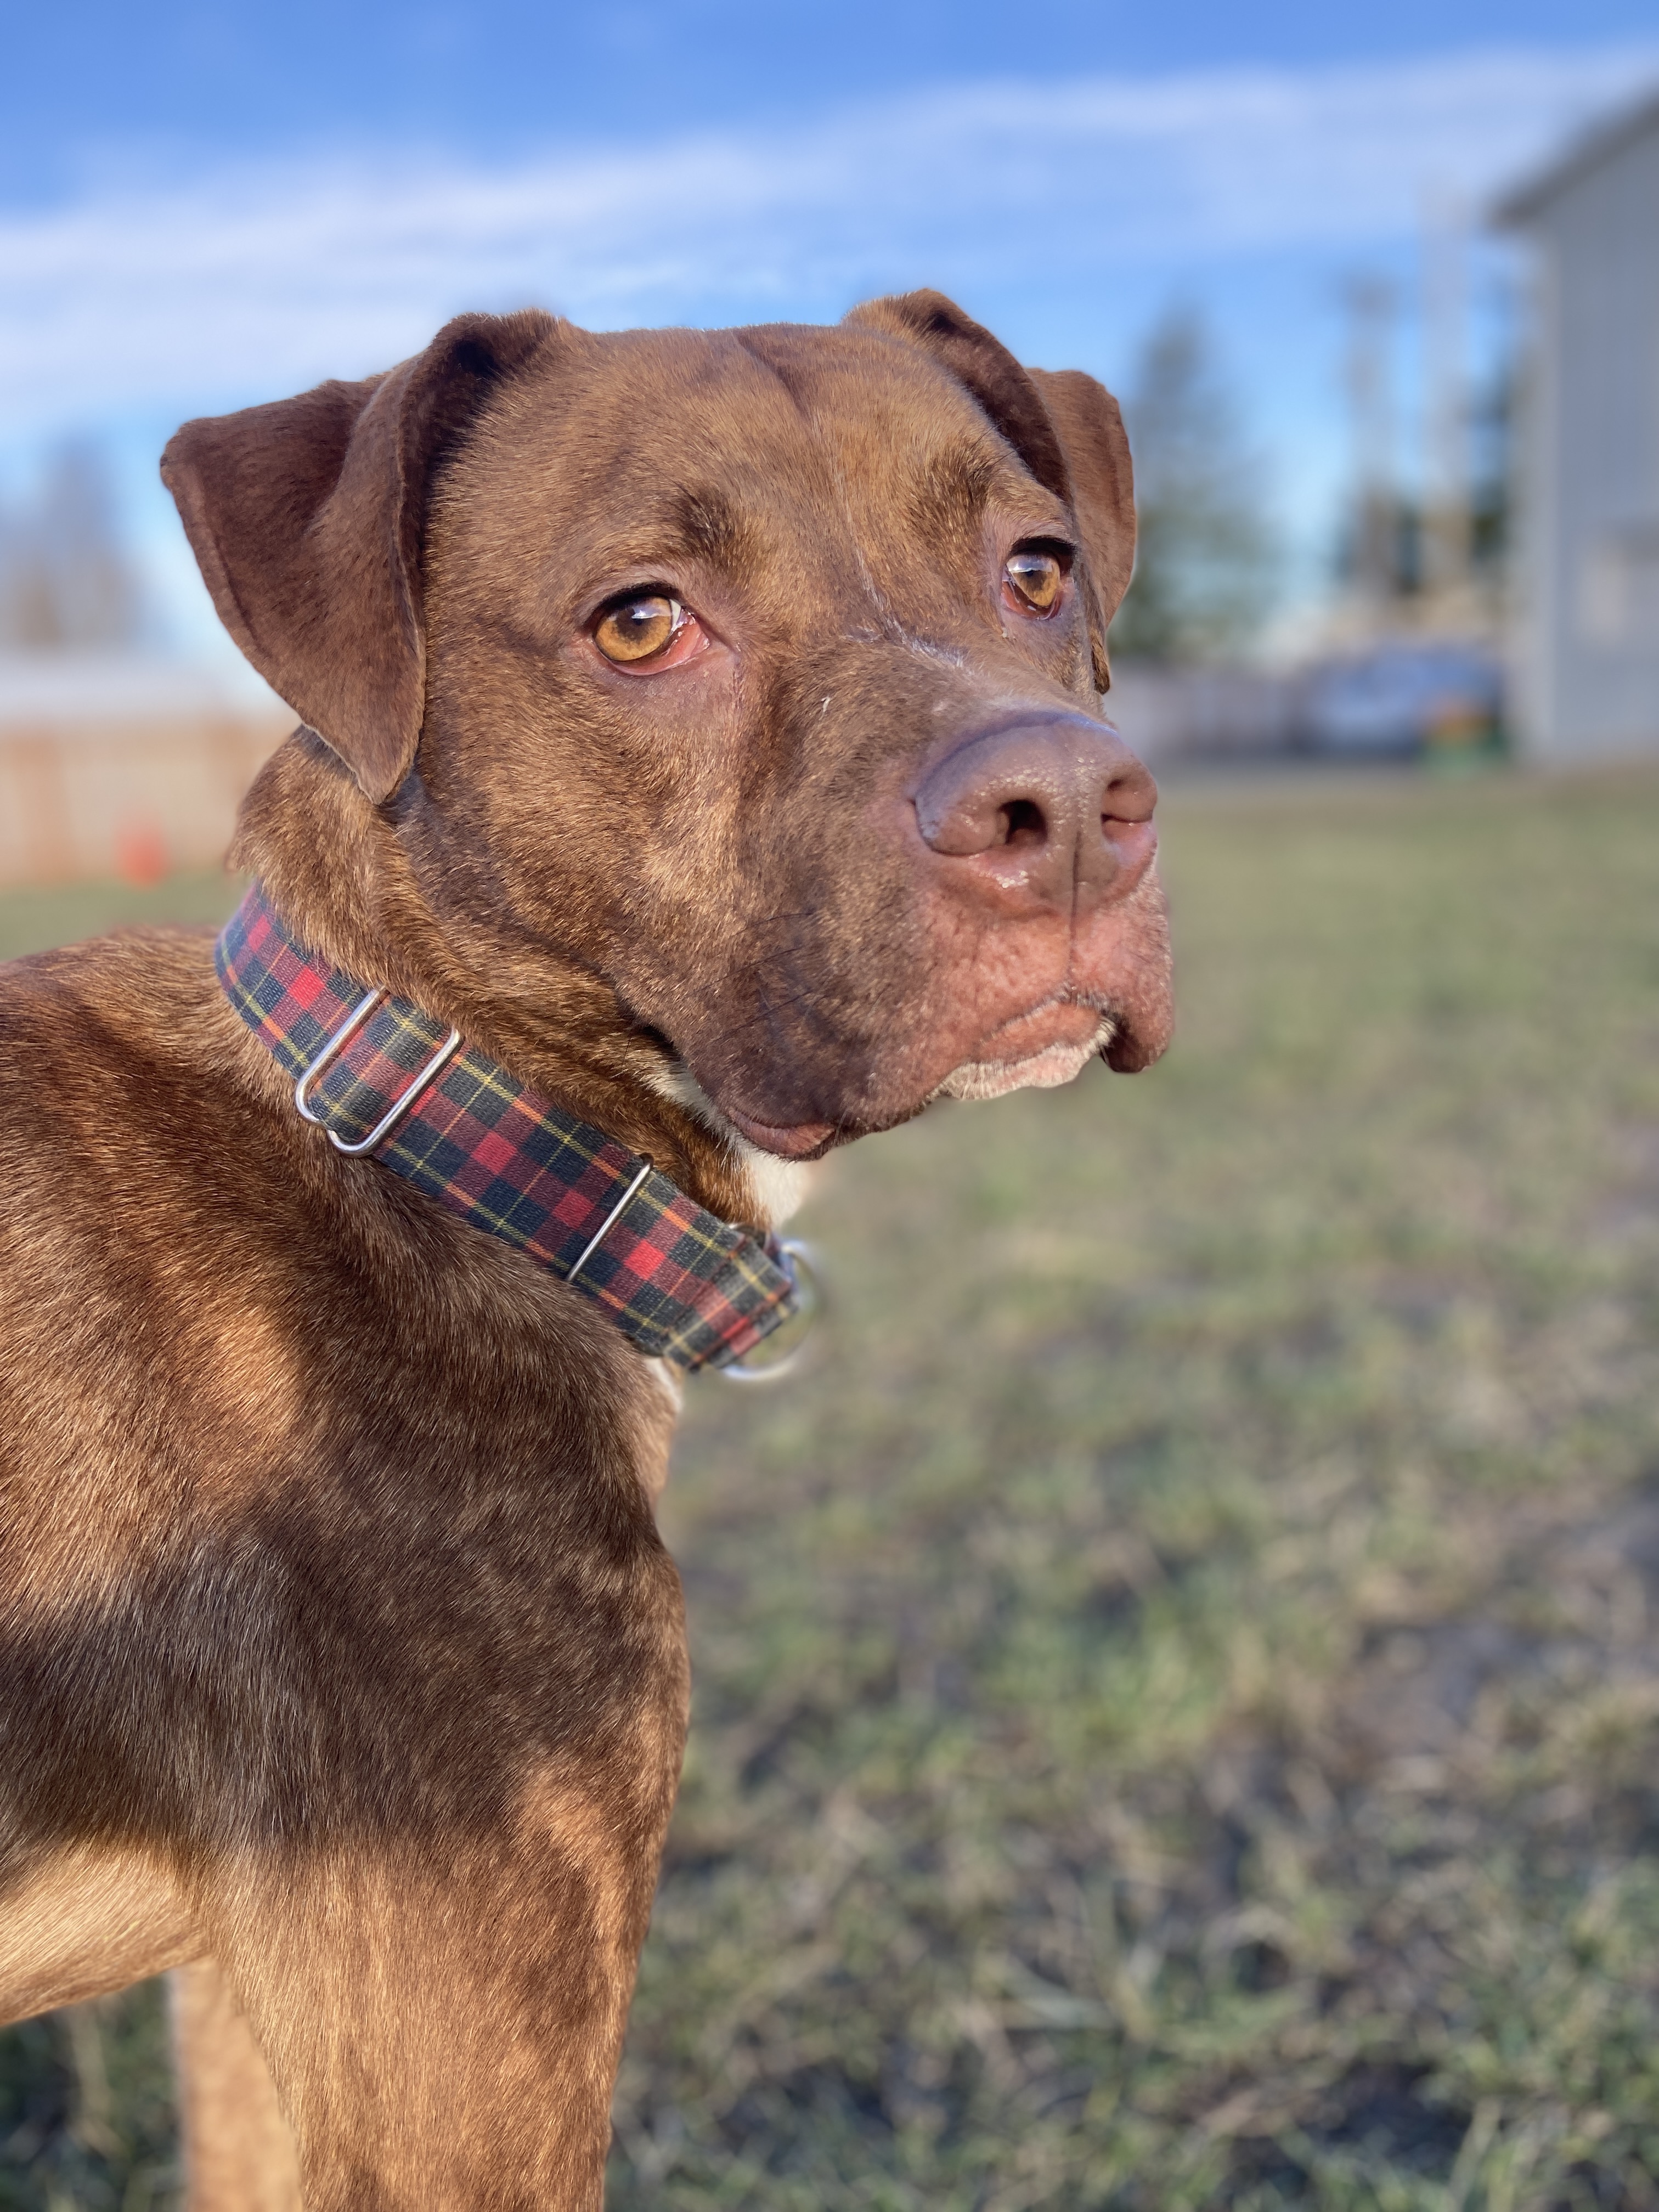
(1404, 698)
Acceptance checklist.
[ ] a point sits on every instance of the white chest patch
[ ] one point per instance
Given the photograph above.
(778, 1188)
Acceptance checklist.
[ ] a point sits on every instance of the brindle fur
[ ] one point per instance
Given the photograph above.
(339, 1654)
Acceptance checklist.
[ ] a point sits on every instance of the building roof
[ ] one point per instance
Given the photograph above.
(1526, 202)
(99, 688)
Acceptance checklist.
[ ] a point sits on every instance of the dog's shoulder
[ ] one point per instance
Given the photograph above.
(157, 1189)
(137, 1004)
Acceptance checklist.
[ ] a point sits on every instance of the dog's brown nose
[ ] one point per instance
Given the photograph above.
(1051, 804)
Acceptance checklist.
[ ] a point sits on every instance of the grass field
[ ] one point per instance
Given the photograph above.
(1177, 1702)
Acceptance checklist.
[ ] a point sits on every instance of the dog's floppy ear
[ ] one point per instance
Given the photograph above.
(306, 517)
(1096, 449)
(1064, 426)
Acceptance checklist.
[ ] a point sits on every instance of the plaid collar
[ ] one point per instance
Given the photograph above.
(384, 1079)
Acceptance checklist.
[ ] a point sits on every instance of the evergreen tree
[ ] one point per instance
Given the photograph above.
(1204, 561)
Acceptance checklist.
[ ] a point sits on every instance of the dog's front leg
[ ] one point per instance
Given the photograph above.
(239, 2149)
(444, 2024)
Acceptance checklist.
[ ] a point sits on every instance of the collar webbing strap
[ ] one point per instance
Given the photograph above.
(682, 1283)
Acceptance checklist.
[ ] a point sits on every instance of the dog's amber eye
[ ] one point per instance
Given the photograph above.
(638, 629)
(1034, 579)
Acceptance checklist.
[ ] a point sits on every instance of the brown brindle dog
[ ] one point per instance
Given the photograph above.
(708, 727)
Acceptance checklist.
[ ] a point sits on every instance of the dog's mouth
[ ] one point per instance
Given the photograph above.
(786, 1140)
(1042, 1070)
(792, 1140)
(1048, 1045)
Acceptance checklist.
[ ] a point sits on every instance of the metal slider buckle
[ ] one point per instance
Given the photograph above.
(609, 1222)
(395, 1113)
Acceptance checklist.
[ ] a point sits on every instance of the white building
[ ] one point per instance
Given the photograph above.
(1586, 596)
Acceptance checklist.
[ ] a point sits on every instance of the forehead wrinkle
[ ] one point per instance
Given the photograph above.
(702, 523)
(953, 487)
(807, 382)
(748, 343)
(812, 419)
(930, 482)
(697, 526)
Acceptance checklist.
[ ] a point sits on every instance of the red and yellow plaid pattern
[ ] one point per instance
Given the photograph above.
(683, 1285)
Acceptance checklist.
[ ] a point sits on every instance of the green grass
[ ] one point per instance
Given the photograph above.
(1177, 1710)
(85, 2109)
(30, 921)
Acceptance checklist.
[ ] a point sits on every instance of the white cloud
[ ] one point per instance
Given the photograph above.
(253, 283)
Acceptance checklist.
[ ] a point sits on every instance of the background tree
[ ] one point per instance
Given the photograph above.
(1492, 427)
(1205, 565)
(66, 581)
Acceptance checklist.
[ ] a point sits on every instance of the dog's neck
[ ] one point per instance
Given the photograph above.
(348, 879)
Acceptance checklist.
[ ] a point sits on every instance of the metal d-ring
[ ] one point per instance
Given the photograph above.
(400, 1106)
(805, 1273)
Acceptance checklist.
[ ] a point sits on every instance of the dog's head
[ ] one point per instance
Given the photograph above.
(752, 677)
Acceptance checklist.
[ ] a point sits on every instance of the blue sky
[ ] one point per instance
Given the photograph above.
(200, 207)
